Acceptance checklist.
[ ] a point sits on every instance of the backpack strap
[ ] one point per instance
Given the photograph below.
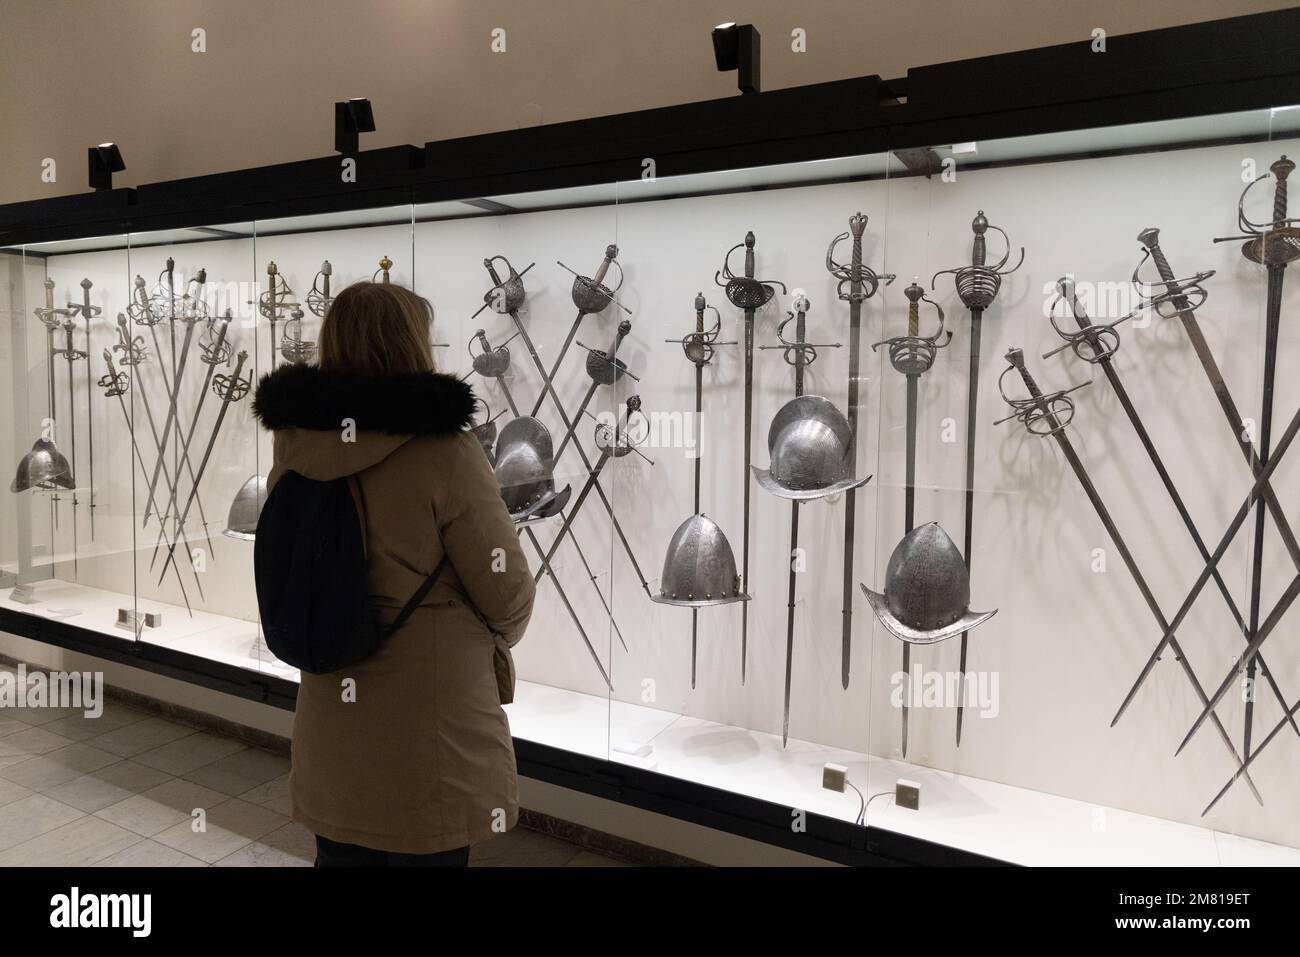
(414, 601)
(359, 500)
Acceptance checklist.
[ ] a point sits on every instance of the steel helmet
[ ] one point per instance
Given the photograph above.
(808, 443)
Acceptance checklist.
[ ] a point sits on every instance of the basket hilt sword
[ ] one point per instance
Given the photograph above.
(977, 286)
(1046, 414)
(856, 284)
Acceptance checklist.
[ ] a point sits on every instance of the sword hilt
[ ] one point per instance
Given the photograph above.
(914, 294)
(1150, 240)
(1102, 341)
(231, 388)
(1056, 409)
(749, 254)
(490, 266)
(978, 251)
(1280, 169)
(385, 264)
(113, 383)
(857, 226)
(611, 253)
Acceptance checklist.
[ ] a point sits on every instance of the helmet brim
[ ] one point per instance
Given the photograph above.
(770, 484)
(914, 636)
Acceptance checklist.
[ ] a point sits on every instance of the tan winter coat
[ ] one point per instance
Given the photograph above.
(408, 750)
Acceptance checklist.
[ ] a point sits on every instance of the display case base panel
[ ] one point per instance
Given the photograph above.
(1001, 821)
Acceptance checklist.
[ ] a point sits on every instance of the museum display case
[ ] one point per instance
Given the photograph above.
(903, 463)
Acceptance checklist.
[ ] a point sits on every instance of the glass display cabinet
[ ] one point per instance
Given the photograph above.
(916, 451)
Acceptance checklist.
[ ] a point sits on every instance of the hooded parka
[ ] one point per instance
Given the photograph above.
(408, 750)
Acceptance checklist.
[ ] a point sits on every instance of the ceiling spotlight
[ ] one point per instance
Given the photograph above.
(736, 48)
(351, 119)
(104, 160)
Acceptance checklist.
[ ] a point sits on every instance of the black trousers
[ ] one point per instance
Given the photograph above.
(333, 854)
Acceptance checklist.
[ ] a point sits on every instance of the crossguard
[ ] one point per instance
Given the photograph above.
(795, 351)
(131, 349)
(113, 383)
(319, 299)
(978, 284)
(701, 345)
(232, 388)
(744, 291)
(1038, 411)
(915, 354)
(69, 351)
(1090, 342)
(1160, 294)
(855, 270)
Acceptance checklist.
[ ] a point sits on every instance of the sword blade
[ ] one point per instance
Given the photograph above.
(972, 400)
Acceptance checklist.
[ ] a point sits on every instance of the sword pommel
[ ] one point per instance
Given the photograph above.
(857, 226)
(1282, 167)
(85, 284)
(1150, 238)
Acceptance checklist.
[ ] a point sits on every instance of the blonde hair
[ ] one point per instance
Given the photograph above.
(377, 329)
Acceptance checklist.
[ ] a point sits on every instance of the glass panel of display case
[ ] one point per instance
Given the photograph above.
(68, 526)
(188, 333)
(1065, 434)
(732, 577)
(528, 294)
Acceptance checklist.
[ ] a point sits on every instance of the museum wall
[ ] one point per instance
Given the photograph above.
(75, 73)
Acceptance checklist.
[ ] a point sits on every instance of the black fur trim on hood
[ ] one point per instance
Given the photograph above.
(416, 403)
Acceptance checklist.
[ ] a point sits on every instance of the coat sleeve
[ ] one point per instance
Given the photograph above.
(480, 539)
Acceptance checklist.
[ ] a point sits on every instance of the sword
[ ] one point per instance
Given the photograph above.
(699, 347)
(229, 389)
(1055, 410)
(319, 298)
(613, 443)
(115, 384)
(505, 297)
(590, 295)
(51, 318)
(494, 363)
(913, 355)
(88, 312)
(862, 284)
(604, 368)
(1185, 296)
(1096, 344)
(800, 354)
(1270, 249)
(977, 286)
(72, 354)
(748, 294)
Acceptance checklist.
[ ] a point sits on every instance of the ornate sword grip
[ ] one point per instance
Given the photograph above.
(857, 226)
(1280, 169)
(979, 251)
(914, 294)
(1150, 240)
(1042, 414)
(749, 254)
(611, 253)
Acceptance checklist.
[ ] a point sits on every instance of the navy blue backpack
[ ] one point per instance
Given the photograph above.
(309, 563)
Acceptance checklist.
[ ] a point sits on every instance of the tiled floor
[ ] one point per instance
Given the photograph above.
(120, 790)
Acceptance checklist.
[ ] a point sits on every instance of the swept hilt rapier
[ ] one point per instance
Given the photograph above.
(914, 354)
(617, 440)
(796, 351)
(50, 317)
(978, 283)
(1274, 243)
(701, 345)
(293, 346)
(590, 294)
(131, 347)
(862, 281)
(604, 367)
(1042, 414)
(1180, 295)
(69, 351)
(113, 383)
(214, 348)
(746, 292)
(1093, 342)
